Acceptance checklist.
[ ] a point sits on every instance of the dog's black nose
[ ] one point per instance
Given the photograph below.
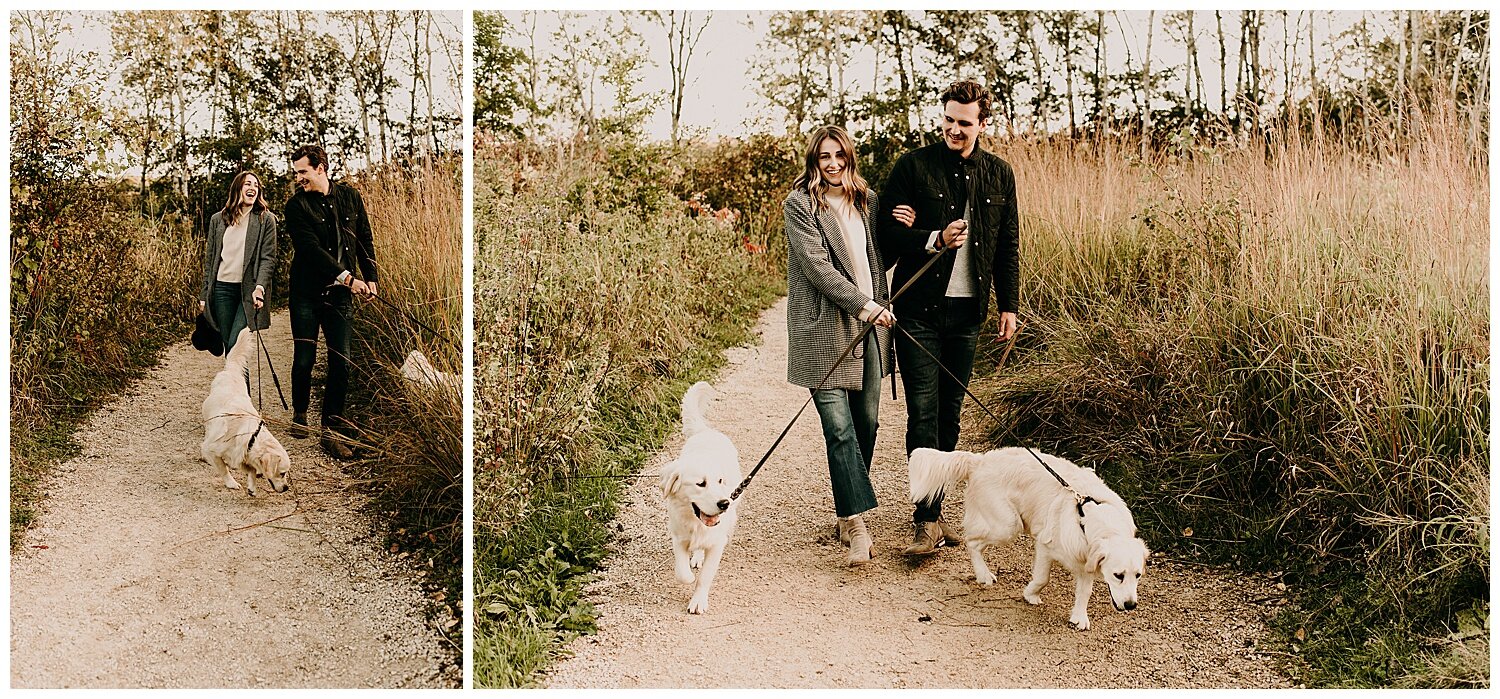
(723, 505)
(1129, 604)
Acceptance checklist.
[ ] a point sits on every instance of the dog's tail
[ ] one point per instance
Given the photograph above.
(693, 404)
(243, 352)
(932, 471)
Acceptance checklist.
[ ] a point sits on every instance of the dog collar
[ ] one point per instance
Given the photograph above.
(262, 426)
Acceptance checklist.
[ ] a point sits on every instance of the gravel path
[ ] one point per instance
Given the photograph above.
(145, 571)
(787, 612)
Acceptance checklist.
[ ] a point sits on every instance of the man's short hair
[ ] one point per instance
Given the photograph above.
(314, 154)
(969, 92)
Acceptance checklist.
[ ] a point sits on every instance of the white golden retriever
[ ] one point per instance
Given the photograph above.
(697, 486)
(234, 436)
(1008, 491)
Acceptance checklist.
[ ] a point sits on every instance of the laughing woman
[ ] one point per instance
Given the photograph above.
(239, 259)
(835, 286)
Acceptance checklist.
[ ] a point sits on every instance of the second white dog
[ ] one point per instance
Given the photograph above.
(1008, 491)
(697, 486)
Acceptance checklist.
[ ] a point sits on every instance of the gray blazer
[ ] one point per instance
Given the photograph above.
(261, 254)
(823, 302)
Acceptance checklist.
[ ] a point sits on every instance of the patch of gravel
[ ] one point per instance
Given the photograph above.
(144, 571)
(787, 612)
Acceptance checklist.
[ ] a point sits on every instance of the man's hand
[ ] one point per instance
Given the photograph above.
(1007, 326)
(360, 288)
(954, 235)
(905, 214)
(202, 306)
(371, 286)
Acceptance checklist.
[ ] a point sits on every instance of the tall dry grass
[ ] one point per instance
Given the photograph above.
(414, 432)
(95, 295)
(1281, 353)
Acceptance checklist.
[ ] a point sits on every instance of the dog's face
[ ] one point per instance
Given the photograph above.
(1120, 561)
(707, 493)
(270, 461)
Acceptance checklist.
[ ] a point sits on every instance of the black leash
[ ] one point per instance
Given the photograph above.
(1079, 498)
(414, 319)
(869, 325)
(250, 314)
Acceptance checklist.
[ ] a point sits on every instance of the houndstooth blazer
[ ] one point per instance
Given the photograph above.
(823, 302)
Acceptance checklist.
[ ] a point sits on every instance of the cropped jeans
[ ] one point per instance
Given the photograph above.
(850, 419)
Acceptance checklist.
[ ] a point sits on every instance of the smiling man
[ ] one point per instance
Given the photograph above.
(331, 236)
(955, 195)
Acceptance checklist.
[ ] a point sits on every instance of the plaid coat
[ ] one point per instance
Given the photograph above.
(823, 302)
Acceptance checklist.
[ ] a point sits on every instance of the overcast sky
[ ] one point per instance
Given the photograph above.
(721, 98)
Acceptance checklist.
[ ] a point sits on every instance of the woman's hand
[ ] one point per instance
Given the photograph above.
(202, 306)
(884, 318)
(259, 295)
(905, 214)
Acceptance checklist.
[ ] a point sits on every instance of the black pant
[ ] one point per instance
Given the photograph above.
(933, 399)
(333, 310)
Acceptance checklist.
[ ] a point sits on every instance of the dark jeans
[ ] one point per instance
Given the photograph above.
(850, 419)
(933, 399)
(334, 312)
(229, 313)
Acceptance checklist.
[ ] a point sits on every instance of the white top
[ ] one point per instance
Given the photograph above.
(852, 225)
(961, 283)
(232, 259)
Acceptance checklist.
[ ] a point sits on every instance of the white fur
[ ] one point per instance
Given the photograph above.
(419, 371)
(703, 475)
(229, 420)
(1009, 492)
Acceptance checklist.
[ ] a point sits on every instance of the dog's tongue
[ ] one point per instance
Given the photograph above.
(708, 520)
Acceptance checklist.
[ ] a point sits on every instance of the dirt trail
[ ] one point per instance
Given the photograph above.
(145, 571)
(787, 612)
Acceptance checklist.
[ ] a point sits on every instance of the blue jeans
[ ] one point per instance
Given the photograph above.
(850, 419)
(933, 400)
(334, 312)
(228, 311)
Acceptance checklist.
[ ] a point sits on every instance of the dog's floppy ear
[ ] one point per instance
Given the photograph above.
(670, 476)
(1096, 556)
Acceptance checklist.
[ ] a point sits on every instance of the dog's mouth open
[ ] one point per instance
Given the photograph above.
(708, 520)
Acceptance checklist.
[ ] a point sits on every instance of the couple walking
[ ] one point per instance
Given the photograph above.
(842, 238)
(331, 235)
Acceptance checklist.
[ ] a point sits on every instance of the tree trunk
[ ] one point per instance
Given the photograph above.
(1223, 66)
(1146, 85)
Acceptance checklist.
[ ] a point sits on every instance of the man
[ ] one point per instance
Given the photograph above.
(330, 236)
(957, 196)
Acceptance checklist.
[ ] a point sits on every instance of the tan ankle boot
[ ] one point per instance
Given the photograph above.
(926, 540)
(861, 546)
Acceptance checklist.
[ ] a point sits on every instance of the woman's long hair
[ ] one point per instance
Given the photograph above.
(856, 190)
(231, 210)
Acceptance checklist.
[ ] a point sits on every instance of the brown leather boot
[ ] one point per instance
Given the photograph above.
(926, 540)
(861, 546)
(334, 446)
(300, 430)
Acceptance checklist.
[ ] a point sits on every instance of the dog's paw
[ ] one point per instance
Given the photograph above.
(697, 562)
(231, 483)
(1031, 596)
(1079, 621)
(984, 577)
(684, 574)
(698, 604)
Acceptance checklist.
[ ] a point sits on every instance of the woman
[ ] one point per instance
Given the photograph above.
(239, 259)
(835, 286)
